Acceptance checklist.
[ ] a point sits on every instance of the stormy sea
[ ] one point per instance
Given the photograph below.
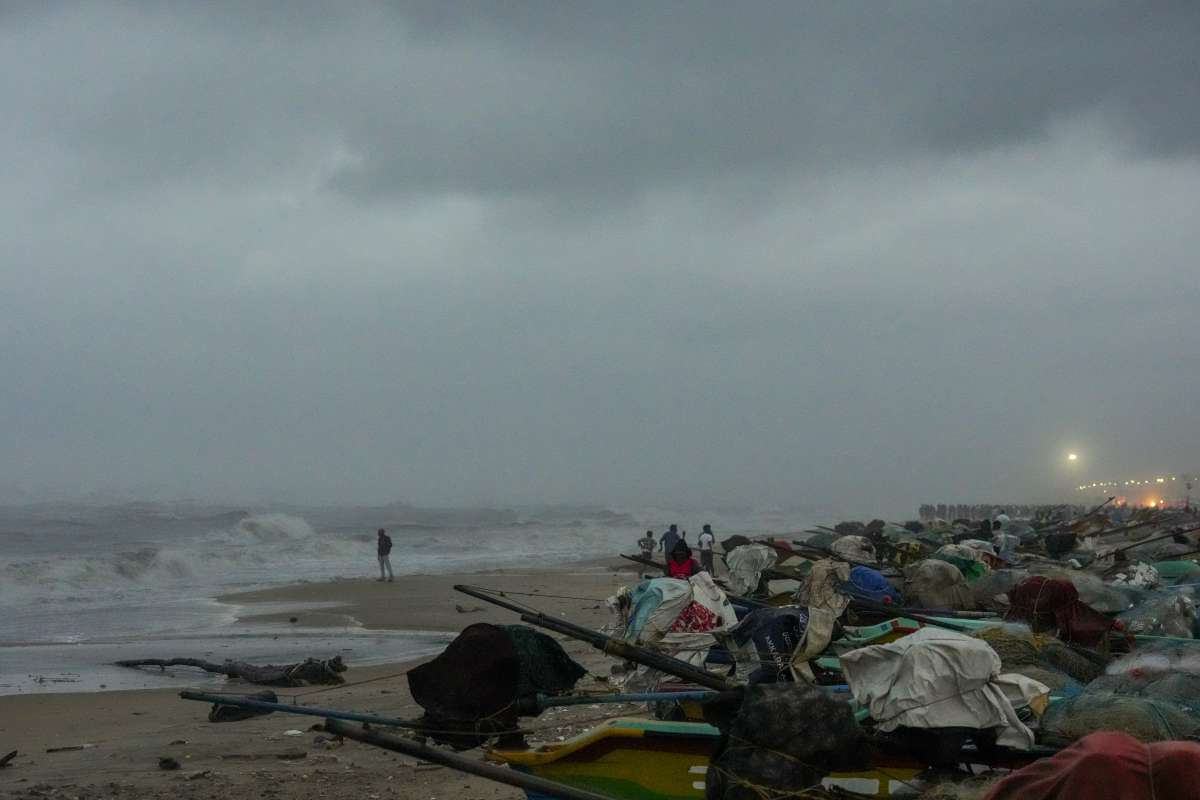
(82, 585)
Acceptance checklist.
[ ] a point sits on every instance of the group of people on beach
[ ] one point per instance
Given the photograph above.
(678, 561)
(677, 554)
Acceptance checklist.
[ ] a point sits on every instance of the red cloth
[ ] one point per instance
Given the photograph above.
(695, 619)
(1050, 605)
(1108, 766)
(682, 569)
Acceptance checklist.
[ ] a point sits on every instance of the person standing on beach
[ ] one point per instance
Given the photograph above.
(668, 541)
(705, 541)
(384, 548)
(646, 545)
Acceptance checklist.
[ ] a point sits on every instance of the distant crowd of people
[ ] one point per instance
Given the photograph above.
(986, 511)
(677, 553)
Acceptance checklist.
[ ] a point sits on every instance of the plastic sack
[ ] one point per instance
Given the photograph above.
(1139, 576)
(746, 565)
(763, 642)
(934, 583)
(855, 549)
(869, 584)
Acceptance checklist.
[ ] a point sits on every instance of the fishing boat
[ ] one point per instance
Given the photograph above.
(645, 759)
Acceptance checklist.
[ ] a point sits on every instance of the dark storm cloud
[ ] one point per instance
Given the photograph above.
(546, 97)
(655, 94)
(868, 252)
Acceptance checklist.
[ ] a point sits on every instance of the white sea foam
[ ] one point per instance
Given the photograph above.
(77, 574)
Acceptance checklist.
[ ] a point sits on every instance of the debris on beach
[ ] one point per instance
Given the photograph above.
(931, 657)
(285, 755)
(310, 671)
(70, 748)
(224, 712)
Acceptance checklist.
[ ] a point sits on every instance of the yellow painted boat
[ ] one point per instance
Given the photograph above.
(645, 759)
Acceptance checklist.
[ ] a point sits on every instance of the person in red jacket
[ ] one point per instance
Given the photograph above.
(681, 564)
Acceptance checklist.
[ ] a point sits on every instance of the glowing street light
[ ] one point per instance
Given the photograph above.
(1072, 456)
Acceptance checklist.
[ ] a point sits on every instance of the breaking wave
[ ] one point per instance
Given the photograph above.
(260, 549)
(252, 544)
(275, 528)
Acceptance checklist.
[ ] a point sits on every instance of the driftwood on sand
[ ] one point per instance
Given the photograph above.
(311, 670)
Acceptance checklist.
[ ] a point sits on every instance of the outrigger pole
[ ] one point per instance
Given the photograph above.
(543, 702)
(288, 708)
(618, 648)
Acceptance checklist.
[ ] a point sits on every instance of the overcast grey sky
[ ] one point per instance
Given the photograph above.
(616, 252)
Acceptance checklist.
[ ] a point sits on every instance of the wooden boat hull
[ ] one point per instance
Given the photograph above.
(643, 759)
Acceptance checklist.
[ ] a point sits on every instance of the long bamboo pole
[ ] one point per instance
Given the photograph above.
(288, 708)
(610, 645)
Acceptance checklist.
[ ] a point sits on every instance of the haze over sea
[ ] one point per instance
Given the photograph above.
(83, 584)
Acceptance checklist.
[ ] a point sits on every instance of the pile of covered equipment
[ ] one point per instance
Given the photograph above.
(953, 643)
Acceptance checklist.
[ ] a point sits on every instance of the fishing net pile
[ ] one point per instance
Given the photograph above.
(487, 677)
(1051, 605)
(1042, 657)
(990, 592)
(1107, 598)
(1170, 613)
(1152, 694)
(783, 739)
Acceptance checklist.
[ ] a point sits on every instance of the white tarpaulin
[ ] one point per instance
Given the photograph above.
(939, 679)
(746, 565)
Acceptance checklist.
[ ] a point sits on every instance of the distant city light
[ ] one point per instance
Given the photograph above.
(1072, 456)
(1158, 480)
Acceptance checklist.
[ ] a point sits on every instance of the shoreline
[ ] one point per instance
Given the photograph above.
(128, 731)
(423, 602)
(364, 620)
